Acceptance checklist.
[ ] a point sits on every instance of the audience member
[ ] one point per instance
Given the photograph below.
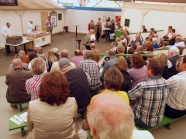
(63, 54)
(31, 56)
(90, 38)
(40, 52)
(139, 39)
(78, 84)
(92, 69)
(111, 118)
(123, 39)
(151, 96)
(173, 54)
(121, 64)
(110, 62)
(53, 114)
(155, 43)
(113, 46)
(77, 58)
(113, 81)
(38, 68)
(120, 49)
(15, 81)
(176, 101)
(51, 58)
(164, 59)
(144, 29)
(139, 48)
(179, 42)
(24, 65)
(178, 65)
(56, 53)
(94, 51)
(138, 70)
(25, 57)
(167, 37)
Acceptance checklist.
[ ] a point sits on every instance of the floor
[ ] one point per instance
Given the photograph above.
(67, 41)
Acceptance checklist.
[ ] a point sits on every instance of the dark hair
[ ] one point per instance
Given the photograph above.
(144, 57)
(150, 48)
(156, 66)
(173, 30)
(184, 59)
(54, 88)
(131, 50)
(113, 79)
(32, 55)
(77, 53)
(137, 61)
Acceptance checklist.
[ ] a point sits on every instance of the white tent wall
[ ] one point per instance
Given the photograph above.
(14, 19)
(159, 20)
(83, 17)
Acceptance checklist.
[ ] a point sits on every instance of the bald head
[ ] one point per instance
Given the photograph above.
(91, 31)
(64, 53)
(139, 48)
(113, 122)
(111, 53)
(17, 63)
(77, 52)
(92, 46)
(22, 52)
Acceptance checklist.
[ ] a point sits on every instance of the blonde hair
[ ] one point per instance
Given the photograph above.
(163, 58)
(121, 64)
(51, 56)
(38, 66)
(120, 49)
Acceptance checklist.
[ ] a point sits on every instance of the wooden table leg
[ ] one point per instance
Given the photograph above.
(15, 49)
(24, 45)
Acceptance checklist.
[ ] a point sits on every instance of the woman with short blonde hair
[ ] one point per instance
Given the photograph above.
(164, 59)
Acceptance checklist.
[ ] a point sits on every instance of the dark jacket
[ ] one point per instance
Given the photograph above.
(172, 71)
(165, 73)
(15, 80)
(79, 88)
(126, 86)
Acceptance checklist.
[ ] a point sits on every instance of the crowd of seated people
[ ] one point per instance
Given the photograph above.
(60, 88)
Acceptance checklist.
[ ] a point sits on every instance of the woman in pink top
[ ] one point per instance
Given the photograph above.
(138, 70)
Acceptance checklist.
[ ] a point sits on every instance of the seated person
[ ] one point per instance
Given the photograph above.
(113, 80)
(38, 66)
(78, 84)
(25, 57)
(40, 52)
(94, 51)
(15, 81)
(144, 29)
(109, 117)
(139, 39)
(155, 43)
(24, 65)
(151, 96)
(77, 58)
(89, 38)
(56, 53)
(167, 37)
(179, 42)
(53, 115)
(176, 101)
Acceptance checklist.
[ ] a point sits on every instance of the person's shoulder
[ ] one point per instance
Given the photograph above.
(34, 103)
(139, 134)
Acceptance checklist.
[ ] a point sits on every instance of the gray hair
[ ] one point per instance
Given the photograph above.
(174, 50)
(63, 63)
(16, 62)
(87, 54)
(111, 117)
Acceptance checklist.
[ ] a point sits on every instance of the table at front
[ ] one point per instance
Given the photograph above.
(38, 41)
(24, 42)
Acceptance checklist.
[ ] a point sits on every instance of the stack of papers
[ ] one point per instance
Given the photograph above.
(19, 119)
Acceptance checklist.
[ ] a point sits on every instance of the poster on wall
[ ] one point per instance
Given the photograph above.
(53, 15)
(54, 19)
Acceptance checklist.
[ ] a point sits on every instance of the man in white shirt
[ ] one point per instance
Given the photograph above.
(179, 42)
(30, 27)
(6, 32)
(176, 101)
